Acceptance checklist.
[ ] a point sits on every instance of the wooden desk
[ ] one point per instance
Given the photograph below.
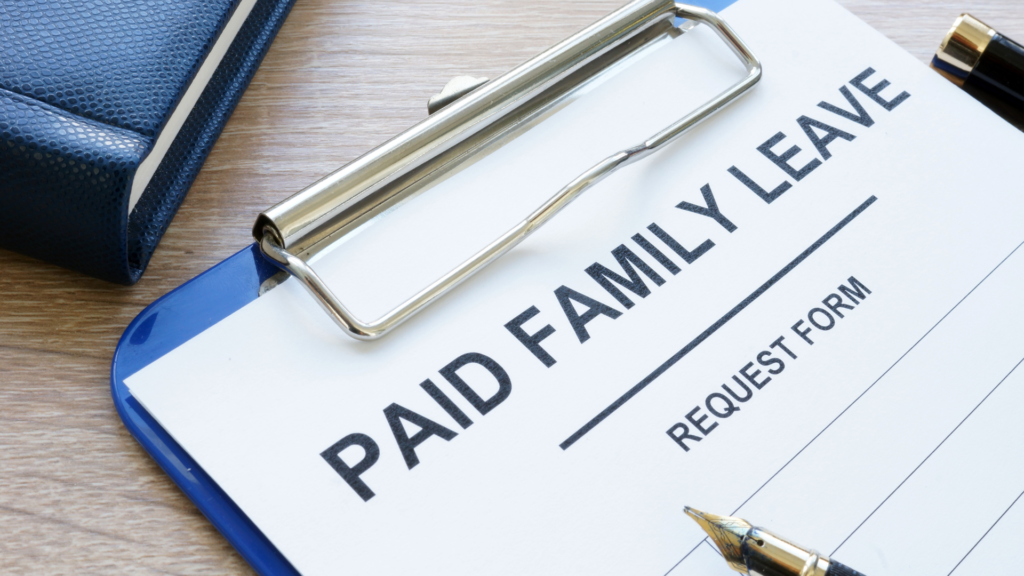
(77, 494)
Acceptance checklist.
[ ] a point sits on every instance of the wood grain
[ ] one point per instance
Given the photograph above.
(77, 494)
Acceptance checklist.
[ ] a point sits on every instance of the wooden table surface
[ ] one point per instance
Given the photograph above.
(77, 494)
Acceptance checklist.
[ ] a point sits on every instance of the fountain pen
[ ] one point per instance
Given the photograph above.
(756, 551)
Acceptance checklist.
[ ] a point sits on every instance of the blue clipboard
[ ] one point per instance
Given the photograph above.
(164, 325)
(173, 320)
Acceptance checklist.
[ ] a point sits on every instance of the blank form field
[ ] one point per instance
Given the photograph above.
(931, 447)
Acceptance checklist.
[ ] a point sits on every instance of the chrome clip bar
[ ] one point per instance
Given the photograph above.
(320, 211)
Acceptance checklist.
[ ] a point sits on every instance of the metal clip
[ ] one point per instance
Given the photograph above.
(455, 88)
(474, 114)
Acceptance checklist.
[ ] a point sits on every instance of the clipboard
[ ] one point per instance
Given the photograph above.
(195, 306)
(164, 325)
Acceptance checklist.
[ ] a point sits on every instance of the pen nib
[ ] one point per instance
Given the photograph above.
(727, 533)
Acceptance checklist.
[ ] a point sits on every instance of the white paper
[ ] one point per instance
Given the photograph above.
(899, 417)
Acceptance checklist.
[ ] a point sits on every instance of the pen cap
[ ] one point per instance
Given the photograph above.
(986, 64)
(962, 48)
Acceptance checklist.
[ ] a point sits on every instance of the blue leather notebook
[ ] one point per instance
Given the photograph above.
(108, 110)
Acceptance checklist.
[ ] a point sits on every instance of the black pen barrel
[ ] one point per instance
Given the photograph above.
(986, 64)
(998, 78)
(837, 569)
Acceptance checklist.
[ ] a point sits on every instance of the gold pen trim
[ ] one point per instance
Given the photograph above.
(963, 46)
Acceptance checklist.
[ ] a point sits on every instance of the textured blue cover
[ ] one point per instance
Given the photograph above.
(85, 88)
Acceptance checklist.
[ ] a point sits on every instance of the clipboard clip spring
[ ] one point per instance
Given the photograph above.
(345, 198)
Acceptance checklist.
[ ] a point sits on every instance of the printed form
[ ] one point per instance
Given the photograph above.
(805, 313)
